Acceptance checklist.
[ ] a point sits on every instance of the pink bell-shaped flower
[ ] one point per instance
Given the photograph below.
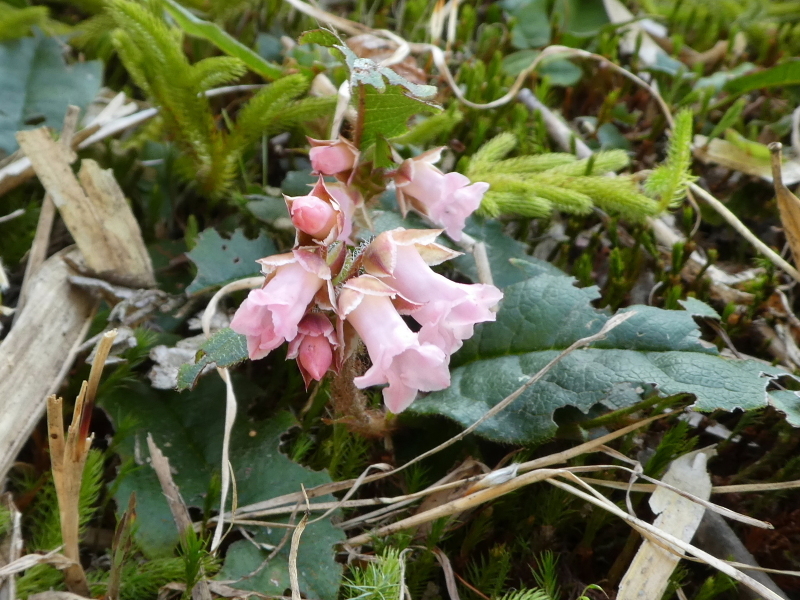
(330, 157)
(398, 357)
(271, 314)
(447, 199)
(313, 346)
(448, 311)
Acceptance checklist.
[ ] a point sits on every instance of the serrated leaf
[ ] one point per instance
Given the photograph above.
(220, 261)
(188, 429)
(386, 101)
(385, 112)
(36, 86)
(225, 348)
(542, 316)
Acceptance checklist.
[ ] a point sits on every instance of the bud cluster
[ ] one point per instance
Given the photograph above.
(327, 292)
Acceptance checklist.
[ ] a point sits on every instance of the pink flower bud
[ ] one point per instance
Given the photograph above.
(330, 157)
(270, 315)
(313, 346)
(313, 216)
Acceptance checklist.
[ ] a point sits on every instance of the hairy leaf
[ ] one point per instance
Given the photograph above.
(225, 348)
(544, 315)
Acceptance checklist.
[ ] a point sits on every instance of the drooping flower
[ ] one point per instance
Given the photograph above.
(398, 357)
(448, 311)
(271, 314)
(331, 157)
(313, 346)
(447, 199)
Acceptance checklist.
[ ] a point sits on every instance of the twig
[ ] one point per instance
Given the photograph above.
(742, 229)
(558, 130)
(12, 215)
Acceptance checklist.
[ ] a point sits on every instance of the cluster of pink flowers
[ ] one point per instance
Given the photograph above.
(326, 293)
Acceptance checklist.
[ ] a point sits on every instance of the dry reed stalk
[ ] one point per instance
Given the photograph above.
(68, 458)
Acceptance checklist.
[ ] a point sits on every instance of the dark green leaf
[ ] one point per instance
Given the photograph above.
(220, 261)
(561, 72)
(542, 316)
(188, 429)
(36, 86)
(508, 258)
(784, 74)
(225, 348)
(320, 576)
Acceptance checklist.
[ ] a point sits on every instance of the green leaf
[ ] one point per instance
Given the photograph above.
(508, 258)
(319, 575)
(532, 28)
(267, 208)
(36, 86)
(188, 429)
(385, 100)
(784, 74)
(544, 315)
(788, 403)
(220, 261)
(213, 33)
(225, 348)
(321, 37)
(384, 112)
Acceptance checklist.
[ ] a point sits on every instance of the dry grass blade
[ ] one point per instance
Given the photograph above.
(449, 574)
(788, 203)
(742, 229)
(177, 506)
(120, 547)
(649, 530)
(294, 581)
(10, 547)
(54, 558)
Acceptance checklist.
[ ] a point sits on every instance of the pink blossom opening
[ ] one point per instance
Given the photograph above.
(270, 315)
(398, 357)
